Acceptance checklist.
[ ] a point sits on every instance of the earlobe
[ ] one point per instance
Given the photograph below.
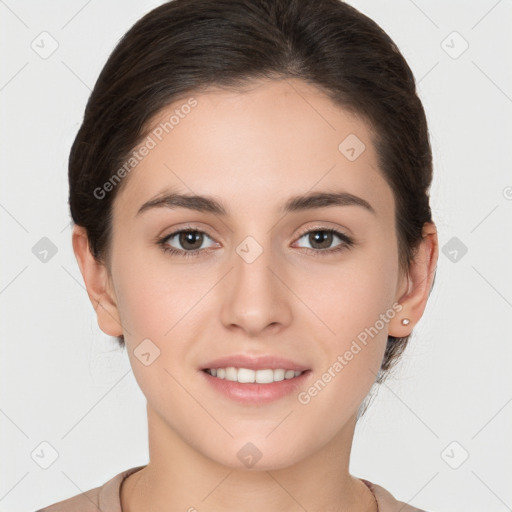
(97, 283)
(419, 279)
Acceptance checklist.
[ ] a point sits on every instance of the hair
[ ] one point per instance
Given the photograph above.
(184, 46)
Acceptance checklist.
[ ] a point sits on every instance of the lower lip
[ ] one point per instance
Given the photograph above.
(254, 393)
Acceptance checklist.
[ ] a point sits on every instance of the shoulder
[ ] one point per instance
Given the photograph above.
(105, 497)
(85, 502)
(387, 502)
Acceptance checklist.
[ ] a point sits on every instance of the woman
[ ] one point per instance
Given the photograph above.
(249, 189)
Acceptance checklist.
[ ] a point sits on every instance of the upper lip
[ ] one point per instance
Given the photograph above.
(255, 363)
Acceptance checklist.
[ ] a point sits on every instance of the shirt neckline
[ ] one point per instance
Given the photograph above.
(110, 494)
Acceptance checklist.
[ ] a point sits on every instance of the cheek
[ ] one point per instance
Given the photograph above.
(356, 305)
(159, 302)
(350, 296)
(141, 307)
(153, 306)
(153, 294)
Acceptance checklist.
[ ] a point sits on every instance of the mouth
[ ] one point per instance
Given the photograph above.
(250, 376)
(253, 379)
(268, 380)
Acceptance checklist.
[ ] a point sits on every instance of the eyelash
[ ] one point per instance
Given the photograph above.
(347, 243)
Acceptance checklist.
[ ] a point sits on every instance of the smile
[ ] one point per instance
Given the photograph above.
(246, 375)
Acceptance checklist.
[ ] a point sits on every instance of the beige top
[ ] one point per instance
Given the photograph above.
(106, 498)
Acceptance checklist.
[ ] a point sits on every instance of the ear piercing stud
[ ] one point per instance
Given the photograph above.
(405, 321)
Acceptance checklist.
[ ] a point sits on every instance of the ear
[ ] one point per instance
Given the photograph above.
(97, 282)
(417, 284)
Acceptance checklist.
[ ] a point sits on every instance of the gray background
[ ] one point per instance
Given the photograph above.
(65, 383)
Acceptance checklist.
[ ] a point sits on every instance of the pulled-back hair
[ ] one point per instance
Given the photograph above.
(184, 46)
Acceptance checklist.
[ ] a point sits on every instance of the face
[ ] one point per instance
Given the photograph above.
(255, 275)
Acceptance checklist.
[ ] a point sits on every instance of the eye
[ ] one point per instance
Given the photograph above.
(191, 241)
(320, 239)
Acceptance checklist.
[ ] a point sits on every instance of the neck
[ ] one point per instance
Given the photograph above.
(178, 477)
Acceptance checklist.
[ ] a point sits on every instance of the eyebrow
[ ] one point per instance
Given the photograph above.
(207, 204)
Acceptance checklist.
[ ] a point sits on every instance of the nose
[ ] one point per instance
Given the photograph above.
(255, 295)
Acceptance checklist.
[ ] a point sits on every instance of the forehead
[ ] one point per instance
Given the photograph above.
(262, 145)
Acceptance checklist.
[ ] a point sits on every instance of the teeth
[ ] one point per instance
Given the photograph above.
(245, 375)
(279, 375)
(231, 373)
(263, 376)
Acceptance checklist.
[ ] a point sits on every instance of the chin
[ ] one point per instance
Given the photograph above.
(260, 454)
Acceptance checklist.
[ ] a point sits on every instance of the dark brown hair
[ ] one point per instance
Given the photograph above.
(185, 46)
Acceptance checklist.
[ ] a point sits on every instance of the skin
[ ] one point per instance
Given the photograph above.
(253, 150)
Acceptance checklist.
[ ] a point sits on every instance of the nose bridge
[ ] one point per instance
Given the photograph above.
(255, 297)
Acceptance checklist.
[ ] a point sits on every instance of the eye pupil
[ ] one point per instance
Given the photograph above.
(320, 237)
(191, 237)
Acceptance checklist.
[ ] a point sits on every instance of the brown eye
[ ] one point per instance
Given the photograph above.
(191, 240)
(185, 242)
(321, 240)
